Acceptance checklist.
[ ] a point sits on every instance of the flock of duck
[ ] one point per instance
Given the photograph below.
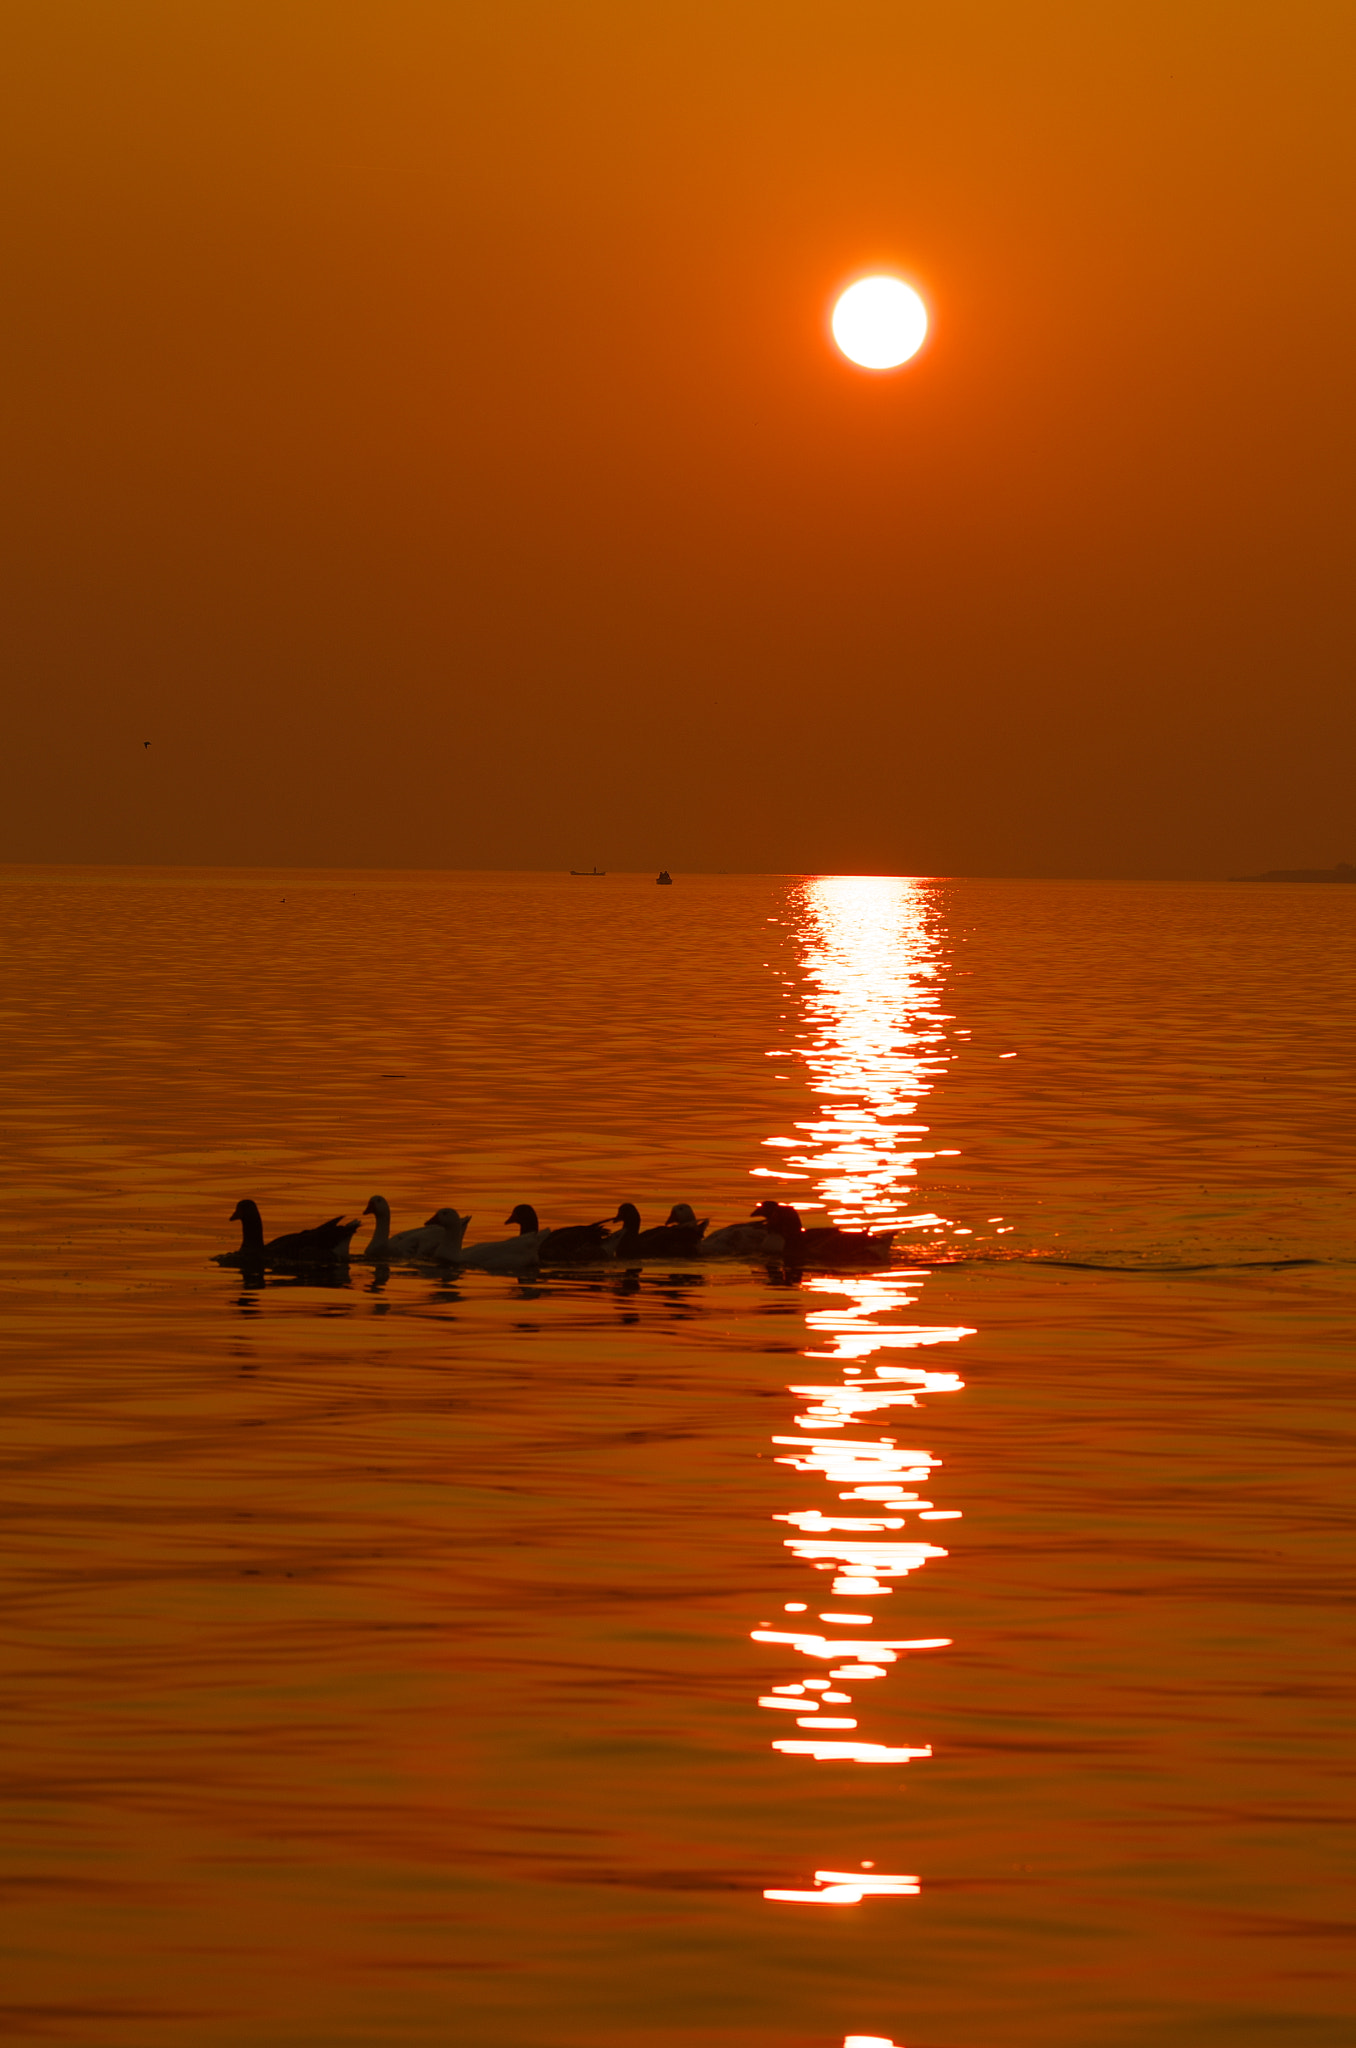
(775, 1232)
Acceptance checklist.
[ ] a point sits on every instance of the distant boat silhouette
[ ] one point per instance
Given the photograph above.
(664, 876)
(588, 872)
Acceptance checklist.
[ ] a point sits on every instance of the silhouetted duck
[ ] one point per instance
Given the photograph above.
(562, 1247)
(734, 1241)
(664, 878)
(326, 1245)
(453, 1228)
(824, 1244)
(498, 1255)
(669, 1241)
(424, 1243)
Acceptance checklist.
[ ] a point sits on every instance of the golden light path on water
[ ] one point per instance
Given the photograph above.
(874, 1045)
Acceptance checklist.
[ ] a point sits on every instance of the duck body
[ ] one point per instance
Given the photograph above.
(575, 1244)
(733, 1240)
(824, 1244)
(325, 1245)
(668, 1241)
(453, 1228)
(499, 1255)
(383, 1249)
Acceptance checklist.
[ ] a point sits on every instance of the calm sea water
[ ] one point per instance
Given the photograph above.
(408, 1660)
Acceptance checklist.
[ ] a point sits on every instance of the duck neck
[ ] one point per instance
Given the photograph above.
(381, 1231)
(251, 1230)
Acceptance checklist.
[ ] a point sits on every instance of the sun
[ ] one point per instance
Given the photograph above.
(880, 322)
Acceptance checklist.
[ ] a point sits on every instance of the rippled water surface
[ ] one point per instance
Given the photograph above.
(954, 1655)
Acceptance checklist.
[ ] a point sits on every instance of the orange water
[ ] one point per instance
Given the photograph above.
(384, 1658)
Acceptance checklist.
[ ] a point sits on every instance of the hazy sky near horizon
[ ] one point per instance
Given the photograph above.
(421, 425)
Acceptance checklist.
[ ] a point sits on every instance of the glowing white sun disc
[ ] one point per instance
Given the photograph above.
(880, 322)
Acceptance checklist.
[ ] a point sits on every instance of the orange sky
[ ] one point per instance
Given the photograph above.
(420, 425)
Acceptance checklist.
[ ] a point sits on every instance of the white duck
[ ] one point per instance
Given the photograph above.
(735, 1241)
(453, 1228)
(433, 1237)
(500, 1255)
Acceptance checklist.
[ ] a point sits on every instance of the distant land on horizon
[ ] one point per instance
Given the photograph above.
(265, 872)
(1343, 872)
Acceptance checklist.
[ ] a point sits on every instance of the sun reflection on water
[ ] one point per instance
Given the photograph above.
(874, 1045)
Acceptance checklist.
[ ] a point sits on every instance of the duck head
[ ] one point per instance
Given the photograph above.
(779, 1217)
(378, 1206)
(628, 1215)
(683, 1213)
(525, 1216)
(246, 1214)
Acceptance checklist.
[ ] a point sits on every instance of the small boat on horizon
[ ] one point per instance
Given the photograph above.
(588, 873)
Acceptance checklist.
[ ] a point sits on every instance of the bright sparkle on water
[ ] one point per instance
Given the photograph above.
(875, 1046)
